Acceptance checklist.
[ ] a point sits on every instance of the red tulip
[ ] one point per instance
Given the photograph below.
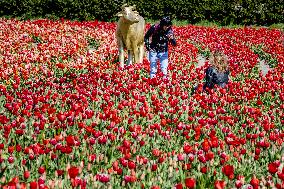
(41, 170)
(142, 143)
(92, 141)
(156, 152)
(119, 171)
(103, 178)
(154, 167)
(238, 184)
(180, 157)
(11, 159)
(203, 170)
(60, 172)
(18, 148)
(219, 184)
(73, 172)
(102, 140)
(131, 165)
(273, 167)
(155, 187)
(61, 117)
(126, 143)
(130, 179)
(179, 186)
(26, 174)
(254, 182)
(70, 140)
(228, 170)
(33, 185)
(190, 182)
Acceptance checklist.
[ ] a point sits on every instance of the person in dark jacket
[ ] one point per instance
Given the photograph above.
(156, 41)
(218, 73)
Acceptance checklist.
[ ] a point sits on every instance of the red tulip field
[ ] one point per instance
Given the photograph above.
(71, 118)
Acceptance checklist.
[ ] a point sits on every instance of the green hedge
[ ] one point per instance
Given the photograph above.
(258, 12)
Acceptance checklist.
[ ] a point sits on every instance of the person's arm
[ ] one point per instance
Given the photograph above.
(147, 36)
(227, 76)
(171, 37)
(209, 77)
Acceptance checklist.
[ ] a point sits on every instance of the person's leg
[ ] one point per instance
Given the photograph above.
(164, 64)
(153, 63)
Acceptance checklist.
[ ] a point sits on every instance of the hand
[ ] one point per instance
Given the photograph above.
(171, 36)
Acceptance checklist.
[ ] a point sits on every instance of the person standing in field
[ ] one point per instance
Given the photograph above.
(156, 40)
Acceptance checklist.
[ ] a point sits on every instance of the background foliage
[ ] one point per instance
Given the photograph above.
(224, 12)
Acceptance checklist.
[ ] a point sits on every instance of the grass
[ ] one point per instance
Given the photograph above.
(204, 23)
(277, 26)
(175, 22)
(207, 23)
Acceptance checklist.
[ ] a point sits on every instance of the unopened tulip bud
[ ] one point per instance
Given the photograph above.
(106, 159)
(170, 172)
(101, 157)
(160, 179)
(175, 164)
(133, 173)
(170, 161)
(51, 183)
(142, 177)
(95, 184)
(60, 185)
(97, 159)
(89, 167)
(123, 183)
(93, 178)
(149, 169)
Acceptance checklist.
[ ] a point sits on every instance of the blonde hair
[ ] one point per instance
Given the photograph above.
(219, 60)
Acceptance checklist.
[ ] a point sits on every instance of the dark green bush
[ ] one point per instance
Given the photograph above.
(247, 12)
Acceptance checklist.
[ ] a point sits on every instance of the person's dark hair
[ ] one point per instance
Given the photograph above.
(166, 21)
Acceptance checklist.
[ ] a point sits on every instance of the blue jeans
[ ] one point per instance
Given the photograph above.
(153, 58)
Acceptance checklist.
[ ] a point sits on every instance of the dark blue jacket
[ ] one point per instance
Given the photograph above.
(159, 39)
(214, 77)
